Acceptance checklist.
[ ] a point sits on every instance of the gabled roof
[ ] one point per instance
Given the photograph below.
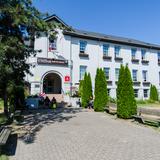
(54, 17)
(110, 38)
(99, 36)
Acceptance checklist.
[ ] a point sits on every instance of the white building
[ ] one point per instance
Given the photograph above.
(61, 64)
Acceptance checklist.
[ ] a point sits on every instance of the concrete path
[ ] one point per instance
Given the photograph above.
(72, 134)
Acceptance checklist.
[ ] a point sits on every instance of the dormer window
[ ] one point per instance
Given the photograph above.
(52, 44)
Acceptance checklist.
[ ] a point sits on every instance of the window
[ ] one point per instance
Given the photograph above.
(83, 45)
(145, 92)
(82, 71)
(136, 93)
(144, 74)
(106, 71)
(133, 52)
(159, 78)
(117, 51)
(108, 91)
(117, 73)
(158, 56)
(134, 75)
(105, 49)
(52, 45)
(143, 53)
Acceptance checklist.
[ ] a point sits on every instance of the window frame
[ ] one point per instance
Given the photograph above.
(105, 49)
(81, 76)
(145, 75)
(135, 79)
(82, 46)
(133, 53)
(143, 54)
(107, 69)
(117, 76)
(117, 51)
(136, 95)
(145, 94)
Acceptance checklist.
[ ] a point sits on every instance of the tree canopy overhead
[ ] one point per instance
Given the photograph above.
(19, 20)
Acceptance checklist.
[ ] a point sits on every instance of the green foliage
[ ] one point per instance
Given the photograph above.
(86, 90)
(126, 103)
(80, 90)
(153, 93)
(19, 20)
(101, 96)
(3, 118)
(3, 157)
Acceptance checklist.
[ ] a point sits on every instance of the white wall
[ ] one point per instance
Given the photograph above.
(68, 47)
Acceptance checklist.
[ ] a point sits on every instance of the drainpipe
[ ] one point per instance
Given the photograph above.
(71, 67)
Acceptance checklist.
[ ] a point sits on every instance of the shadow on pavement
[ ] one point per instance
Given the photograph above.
(35, 120)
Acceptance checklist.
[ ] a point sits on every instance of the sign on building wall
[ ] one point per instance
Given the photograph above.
(51, 61)
(67, 78)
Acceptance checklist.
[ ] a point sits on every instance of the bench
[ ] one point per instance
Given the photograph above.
(4, 135)
(147, 121)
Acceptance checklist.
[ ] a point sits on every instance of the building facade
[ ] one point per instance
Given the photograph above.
(62, 62)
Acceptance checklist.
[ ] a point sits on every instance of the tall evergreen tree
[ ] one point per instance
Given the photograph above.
(101, 97)
(153, 93)
(84, 97)
(80, 90)
(89, 86)
(126, 103)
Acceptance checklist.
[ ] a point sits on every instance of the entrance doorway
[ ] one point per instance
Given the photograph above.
(52, 84)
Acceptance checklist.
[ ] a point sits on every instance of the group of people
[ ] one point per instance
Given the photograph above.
(50, 103)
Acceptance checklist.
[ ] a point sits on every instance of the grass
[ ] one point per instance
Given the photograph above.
(3, 157)
(149, 103)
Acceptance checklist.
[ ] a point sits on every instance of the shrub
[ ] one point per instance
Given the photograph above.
(126, 103)
(101, 96)
(153, 93)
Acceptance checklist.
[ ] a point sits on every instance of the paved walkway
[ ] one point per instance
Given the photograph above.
(72, 134)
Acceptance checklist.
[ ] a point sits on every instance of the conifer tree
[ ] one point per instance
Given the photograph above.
(80, 90)
(126, 103)
(153, 93)
(89, 86)
(101, 97)
(84, 92)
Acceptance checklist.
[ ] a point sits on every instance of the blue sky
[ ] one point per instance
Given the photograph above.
(138, 19)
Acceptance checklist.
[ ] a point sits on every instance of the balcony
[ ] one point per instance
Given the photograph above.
(146, 83)
(118, 59)
(106, 57)
(136, 83)
(145, 62)
(134, 60)
(83, 54)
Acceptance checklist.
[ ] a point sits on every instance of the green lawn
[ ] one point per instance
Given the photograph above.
(147, 103)
(3, 157)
